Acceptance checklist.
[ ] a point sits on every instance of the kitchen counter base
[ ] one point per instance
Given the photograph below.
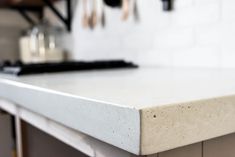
(218, 147)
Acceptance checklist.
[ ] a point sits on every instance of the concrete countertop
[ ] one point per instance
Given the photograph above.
(143, 111)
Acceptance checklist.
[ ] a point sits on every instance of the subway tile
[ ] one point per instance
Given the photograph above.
(174, 38)
(197, 15)
(209, 35)
(197, 57)
(203, 2)
(228, 10)
(181, 4)
(227, 58)
(155, 58)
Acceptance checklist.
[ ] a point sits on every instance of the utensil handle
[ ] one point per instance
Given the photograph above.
(125, 9)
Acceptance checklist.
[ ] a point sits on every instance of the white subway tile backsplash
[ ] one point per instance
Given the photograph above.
(174, 38)
(197, 57)
(228, 38)
(197, 15)
(156, 59)
(228, 10)
(209, 35)
(203, 2)
(228, 59)
(197, 33)
(179, 4)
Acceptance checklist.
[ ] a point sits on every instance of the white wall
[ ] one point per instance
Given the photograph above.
(11, 25)
(197, 33)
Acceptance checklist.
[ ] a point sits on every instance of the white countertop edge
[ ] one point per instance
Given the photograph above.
(186, 123)
(113, 124)
(81, 142)
(23, 85)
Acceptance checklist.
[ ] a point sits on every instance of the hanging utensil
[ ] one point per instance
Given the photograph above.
(103, 16)
(136, 11)
(85, 19)
(125, 9)
(93, 17)
(113, 3)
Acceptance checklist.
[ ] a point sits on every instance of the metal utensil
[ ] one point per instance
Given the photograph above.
(136, 11)
(103, 16)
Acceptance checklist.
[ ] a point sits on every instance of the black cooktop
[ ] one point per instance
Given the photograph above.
(18, 68)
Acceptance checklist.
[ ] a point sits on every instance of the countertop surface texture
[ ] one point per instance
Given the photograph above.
(143, 111)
